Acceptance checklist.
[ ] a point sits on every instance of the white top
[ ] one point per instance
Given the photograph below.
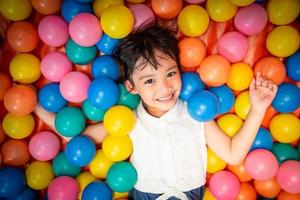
(169, 153)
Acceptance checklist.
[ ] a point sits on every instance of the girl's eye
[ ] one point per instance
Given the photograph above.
(149, 81)
(171, 74)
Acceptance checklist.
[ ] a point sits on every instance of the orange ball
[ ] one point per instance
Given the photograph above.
(271, 68)
(240, 171)
(5, 84)
(20, 100)
(46, 7)
(2, 134)
(22, 36)
(247, 192)
(192, 52)
(15, 152)
(267, 188)
(166, 9)
(283, 195)
(214, 70)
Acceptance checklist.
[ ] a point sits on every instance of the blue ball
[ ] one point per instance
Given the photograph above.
(85, 1)
(79, 54)
(203, 105)
(190, 83)
(69, 9)
(105, 66)
(293, 66)
(26, 194)
(103, 93)
(263, 140)
(50, 98)
(80, 150)
(97, 190)
(225, 96)
(107, 44)
(12, 182)
(287, 98)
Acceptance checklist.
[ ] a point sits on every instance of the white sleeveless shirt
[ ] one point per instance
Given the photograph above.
(168, 152)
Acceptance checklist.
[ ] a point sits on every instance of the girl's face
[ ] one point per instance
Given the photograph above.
(159, 89)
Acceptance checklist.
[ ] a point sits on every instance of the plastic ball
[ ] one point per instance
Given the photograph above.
(190, 83)
(83, 180)
(233, 46)
(208, 195)
(55, 65)
(221, 10)
(12, 181)
(15, 152)
(25, 68)
(100, 165)
(61, 167)
(127, 99)
(15, 10)
(193, 20)
(225, 96)
(121, 177)
(214, 162)
(50, 98)
(117, 148)
(240, 171)
(285, 128)
(103, 93)
(240, 76)
(283, 12)
(247, 191)
(107, 44)
(53, 31)
(97, 190)
(143, 15)
(251, 20)
(20, 100)
(69, 9)
(241, 2)
(99, 6)
(267, 188)
(63, 187)
(263, 140)
(26, 194)
(292, 66)
(287, 98)
(117, 21)
(39, 175)
(283, 195)
(288, 176)
(5, 84)
(74, 86)
(283, 41)
(203, 105)
(22, 36)
(214, 70)
(80, 150)
(261, 164)
(79, 54)
(284, 152)
(91, 112)
(166, 9)
(46, 7)
(230, 123)
(106, 66)
(70, 121)
(242, 104)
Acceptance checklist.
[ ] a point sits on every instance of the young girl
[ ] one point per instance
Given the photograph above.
(169, 147)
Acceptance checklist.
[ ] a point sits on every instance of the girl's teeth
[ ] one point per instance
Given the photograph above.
(166, 98)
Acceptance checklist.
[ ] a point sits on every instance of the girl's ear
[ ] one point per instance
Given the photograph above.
(129, 87)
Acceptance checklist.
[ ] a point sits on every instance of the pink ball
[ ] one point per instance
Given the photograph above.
(250, 20)
(224, 185)
(44, 146)
(62, 188)
(142, 14)
(261, 164)
(55, 65)
(233, 46)
(85, 29)
(288, 176)
(74, 86)
(53, 31)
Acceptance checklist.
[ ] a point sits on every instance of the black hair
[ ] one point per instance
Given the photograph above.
(143, 44)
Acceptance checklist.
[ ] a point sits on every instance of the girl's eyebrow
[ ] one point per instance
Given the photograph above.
(151, 75)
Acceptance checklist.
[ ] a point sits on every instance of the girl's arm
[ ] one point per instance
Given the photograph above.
(234, 150)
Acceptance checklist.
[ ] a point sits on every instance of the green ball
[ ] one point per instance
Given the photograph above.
(62, 167)
(285, 152)
(121, 177)
(79, 54)
(127, 99)
(70, 121)
(91, 112)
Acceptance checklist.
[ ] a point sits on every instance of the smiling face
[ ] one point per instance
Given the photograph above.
(158, 88)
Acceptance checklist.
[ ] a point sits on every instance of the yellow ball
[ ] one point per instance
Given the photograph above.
(230, 124)
(283, 41)
(283, 12)
(241, 2)
(240, 77)
(285, 128)
(100, 165)
(25, 68)
(15, 10)
(117, 21)
(119, 120)
(39, 175)
(208, 195)
(100, 5)
(193, 20)
(118, 195)
(214, 162)
(220, 10)
(117, 148)
(18, 127)
(242, 104)
(83, 180)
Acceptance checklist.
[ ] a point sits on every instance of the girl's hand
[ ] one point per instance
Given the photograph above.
(262, 92)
